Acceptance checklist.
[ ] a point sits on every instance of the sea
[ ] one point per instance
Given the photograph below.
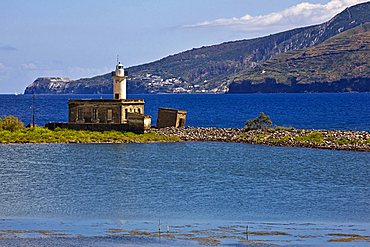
(193, 192)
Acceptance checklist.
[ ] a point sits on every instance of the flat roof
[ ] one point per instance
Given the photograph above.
(107, 100)
(172, 109)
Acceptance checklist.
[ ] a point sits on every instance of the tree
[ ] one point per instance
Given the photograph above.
(261, 122)
(11, 123)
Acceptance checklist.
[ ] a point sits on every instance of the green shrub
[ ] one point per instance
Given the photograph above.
(261, 122)
(314, 137)
(11, 123)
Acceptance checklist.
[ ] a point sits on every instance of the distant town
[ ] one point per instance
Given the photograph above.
(156, 83)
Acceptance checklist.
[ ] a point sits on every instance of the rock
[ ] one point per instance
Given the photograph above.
(327, 139)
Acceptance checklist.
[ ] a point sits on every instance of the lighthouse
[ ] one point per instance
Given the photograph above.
(119, 82)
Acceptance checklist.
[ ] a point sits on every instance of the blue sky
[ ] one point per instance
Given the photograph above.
(77, 39)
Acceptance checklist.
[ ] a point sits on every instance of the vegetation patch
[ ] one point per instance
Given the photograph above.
(313, 137)
(350, 239)
(275, 233)
(209, 241)
(116, 230)
(343, 235)
(257, 243)
(13, 131)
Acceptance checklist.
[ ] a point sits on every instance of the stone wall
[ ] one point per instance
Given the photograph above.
(94, 111)
(103, 111)
(171, 118)
(138, 122)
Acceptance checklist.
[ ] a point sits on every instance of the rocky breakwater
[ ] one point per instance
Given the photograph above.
(325, 139)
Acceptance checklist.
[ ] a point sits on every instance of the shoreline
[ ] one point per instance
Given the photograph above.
(52, 232)
(344, 140)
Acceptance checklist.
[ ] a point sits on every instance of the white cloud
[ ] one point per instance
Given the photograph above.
(302, 14)
(2, 66)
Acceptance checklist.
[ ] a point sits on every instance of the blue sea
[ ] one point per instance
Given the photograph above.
(194, 188)
(350, 111)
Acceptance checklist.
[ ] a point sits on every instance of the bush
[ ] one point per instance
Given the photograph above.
(261, 122)
(11, 123)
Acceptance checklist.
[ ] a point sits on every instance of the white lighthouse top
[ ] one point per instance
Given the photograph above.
(120, 70)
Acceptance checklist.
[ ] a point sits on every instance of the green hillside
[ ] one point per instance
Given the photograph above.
(345, 57)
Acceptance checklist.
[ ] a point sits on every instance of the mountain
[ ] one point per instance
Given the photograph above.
(212, 68)
(340, 64)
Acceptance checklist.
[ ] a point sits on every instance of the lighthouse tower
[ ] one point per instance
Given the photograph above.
(119, 82)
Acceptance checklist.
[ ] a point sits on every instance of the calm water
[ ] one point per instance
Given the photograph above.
(185, 181)
(70, 186)
(320, 111)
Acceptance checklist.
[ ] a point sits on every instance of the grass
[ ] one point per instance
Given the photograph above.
(313, 137)
(280, 140)
(44, 135)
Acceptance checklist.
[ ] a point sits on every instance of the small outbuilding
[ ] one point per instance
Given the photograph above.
(168, 117)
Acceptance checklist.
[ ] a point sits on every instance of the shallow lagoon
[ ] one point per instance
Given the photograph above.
(97, 187)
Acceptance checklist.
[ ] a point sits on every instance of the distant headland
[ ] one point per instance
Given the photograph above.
(329, 57)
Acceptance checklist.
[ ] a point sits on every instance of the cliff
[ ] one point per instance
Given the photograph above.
(341, 64)
(213, 68)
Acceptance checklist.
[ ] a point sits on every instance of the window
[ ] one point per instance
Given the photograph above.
(109, 115)
(95, 114)
(126, 112)
(139, 111)
(79, 114)
(116, 96)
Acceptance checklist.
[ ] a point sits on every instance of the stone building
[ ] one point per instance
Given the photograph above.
(118, 113)
(168, 117)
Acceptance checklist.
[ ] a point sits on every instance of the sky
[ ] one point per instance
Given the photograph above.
(82, 38)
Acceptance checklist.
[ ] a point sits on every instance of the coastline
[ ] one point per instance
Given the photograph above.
(358, 141)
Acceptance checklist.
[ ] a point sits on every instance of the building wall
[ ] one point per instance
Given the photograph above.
(171, 118)
(137, 121)
(181, 119)
(102, 115)
(131, 108)
(94, 112)
(103, 111)
(119, 87)
(147, 122)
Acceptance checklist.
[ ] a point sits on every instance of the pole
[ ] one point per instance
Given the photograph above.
(33, 111)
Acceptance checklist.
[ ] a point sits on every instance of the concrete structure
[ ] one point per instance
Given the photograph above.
(168, 117)
(118, 113)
